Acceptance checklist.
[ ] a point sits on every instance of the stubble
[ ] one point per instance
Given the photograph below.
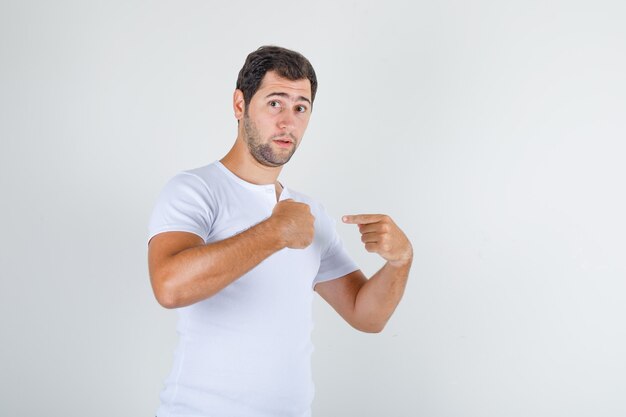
(263, 152)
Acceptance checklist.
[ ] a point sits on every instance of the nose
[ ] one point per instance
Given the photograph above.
(286, 121)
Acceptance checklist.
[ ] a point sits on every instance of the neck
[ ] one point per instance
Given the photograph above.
(241, 163)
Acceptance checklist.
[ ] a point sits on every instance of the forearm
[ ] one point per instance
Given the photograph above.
(378, 298)
(200, 272)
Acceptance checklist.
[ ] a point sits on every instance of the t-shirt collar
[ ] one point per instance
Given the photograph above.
(254, 187)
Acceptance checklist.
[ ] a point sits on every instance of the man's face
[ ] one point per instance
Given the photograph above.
(275, 119)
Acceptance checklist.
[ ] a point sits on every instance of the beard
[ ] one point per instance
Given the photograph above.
(263, 152)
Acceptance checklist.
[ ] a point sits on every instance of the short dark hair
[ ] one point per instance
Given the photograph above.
(288, 64)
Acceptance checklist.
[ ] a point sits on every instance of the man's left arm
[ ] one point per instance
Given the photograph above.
(367, 304)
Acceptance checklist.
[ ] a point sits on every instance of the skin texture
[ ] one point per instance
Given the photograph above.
(185, 270)
(263, 152)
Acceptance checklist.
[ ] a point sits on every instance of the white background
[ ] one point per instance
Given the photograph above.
(491, 131)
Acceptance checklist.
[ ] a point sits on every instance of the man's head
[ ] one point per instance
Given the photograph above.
(284, 62)
(274, 96)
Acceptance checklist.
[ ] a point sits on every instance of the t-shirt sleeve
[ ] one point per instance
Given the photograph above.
(335, 261)
(184, 205)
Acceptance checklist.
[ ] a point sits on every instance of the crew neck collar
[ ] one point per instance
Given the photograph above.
(249, 185)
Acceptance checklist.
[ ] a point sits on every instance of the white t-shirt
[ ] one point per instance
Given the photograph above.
(246, 351)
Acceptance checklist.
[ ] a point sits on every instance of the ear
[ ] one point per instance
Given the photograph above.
(239, 104)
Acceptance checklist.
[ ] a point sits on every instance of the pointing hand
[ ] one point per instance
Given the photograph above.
(381, 235)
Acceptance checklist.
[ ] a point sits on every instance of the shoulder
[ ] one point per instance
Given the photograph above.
(200, 180)
(191, 188)
(208, 175)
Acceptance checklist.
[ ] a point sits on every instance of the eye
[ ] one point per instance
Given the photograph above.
(301, 109)
(274, 103)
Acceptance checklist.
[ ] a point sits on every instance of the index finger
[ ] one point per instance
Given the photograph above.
(362, 218)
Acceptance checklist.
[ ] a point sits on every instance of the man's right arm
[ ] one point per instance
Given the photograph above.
(185, 270)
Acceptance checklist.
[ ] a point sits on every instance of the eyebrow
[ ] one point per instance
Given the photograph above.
(300, 98)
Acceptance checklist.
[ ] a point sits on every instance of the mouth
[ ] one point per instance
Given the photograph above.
(284, 143)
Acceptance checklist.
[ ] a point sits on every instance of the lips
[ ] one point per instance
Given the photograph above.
(284, 143)
(284, 140)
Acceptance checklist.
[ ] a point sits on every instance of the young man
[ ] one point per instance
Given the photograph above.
(239, 255)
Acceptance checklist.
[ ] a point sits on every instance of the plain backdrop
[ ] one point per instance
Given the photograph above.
(491, 131)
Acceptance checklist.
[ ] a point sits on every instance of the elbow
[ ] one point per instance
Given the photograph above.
(369, 327)
(373, 329)
(166, 299)
(171, 292)
(165, 294)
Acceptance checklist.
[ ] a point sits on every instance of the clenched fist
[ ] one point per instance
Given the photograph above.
(294, 223)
